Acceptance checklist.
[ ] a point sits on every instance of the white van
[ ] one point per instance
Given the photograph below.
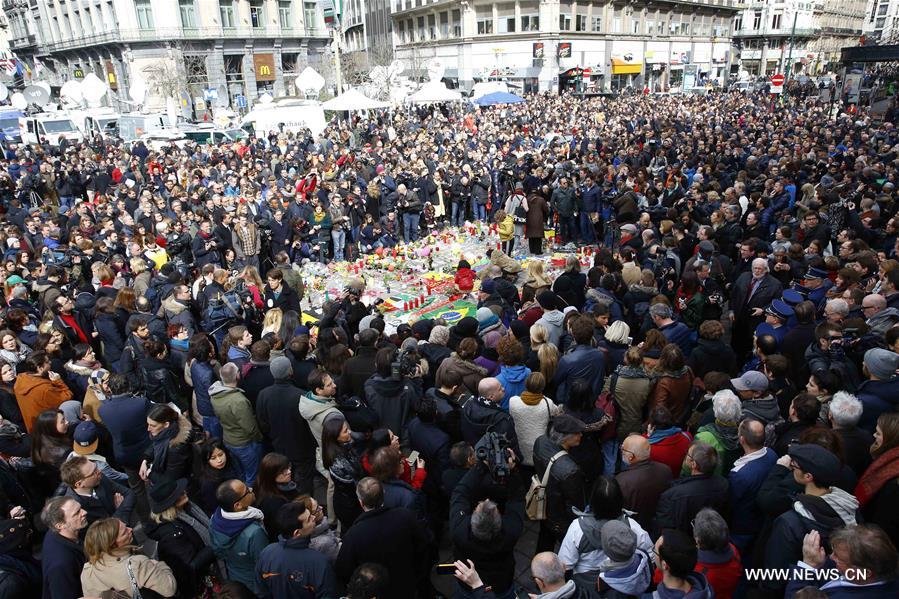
(213, 135)
(286, 115)
(135, 125)
(48, 126)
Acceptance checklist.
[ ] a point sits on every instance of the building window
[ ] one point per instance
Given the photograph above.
(530, 22)
(596, 25)
(432, 27)
(879, 23)
(144, 14)
(565, 22)
(775, 21)
(485, 26)
(738, 23)
(580, 23)
(882, 10)
(257, 14)
(757, 20)
(421, 29)
(226, 11)
(444, 25)
(188, 14)
(401, 32)
(636, 26)
(310, 15)
(685, 29)
(457, 23)
(284, 14)
(616, 25)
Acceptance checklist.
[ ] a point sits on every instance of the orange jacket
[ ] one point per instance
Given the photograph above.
(36, 394)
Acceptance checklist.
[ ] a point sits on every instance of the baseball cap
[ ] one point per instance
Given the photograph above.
(86, 438)
(568, 425)
(752, 380)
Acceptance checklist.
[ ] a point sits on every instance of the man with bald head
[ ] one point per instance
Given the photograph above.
(642, 481)
(485, 414)
(879, 316)
(746, 479)
(548, 573)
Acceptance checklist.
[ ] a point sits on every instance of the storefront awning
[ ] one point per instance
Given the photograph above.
(620, 67)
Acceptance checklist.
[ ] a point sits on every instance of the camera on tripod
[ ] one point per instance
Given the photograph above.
(494, 450)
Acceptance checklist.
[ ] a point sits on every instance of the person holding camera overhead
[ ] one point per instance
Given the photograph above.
(396, 388)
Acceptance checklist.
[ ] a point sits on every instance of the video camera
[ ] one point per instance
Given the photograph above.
(404, 364)
(493, 449)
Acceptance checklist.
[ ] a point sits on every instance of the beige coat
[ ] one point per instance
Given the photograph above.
(111, 572)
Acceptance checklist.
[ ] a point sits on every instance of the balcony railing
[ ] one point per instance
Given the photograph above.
(146, 35)
(24, 41)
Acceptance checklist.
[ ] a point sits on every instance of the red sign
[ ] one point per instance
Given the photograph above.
(777, 80)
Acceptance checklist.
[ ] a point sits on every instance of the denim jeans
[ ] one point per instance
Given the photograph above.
(588, 233)
(609, 457)
(213, 426)
(478, 211)
(568, 228)
(410, 226)
(248, 456)
(457, 214)
(338, 238)
(67, 201)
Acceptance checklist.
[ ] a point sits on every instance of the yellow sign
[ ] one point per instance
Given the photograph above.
(264, 65)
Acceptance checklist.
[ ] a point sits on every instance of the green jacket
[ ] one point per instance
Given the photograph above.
(726, 457)
(236, 414)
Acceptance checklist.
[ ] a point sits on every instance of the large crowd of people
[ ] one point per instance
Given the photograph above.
(709, 409)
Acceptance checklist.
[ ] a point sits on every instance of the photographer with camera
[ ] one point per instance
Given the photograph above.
(395, 388)
(485, 414)
(206, 246)
(480, 531)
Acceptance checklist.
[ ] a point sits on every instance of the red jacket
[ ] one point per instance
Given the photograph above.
(722, 571)
(670, 450)
(416, 481)
(465, 279)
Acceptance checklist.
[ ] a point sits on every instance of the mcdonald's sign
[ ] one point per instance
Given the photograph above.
(264, 66)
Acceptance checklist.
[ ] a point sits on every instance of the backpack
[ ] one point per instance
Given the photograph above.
(221, 310)
(535, 499)
(609, 405)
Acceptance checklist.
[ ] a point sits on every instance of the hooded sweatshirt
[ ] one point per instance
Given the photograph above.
(552, 320)
(238, 538)
(315, 409)
(700, 589)
(568, 591)
(631, 579)
(512, 379)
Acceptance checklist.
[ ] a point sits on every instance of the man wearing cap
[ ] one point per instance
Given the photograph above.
(626, 568)
(821, 507)
(776, 316)
(750, 295)
(85, 441)
(814, 286)
(758, 403)
(630, 238)
(880, 392)
(566, 487)
(99, 496)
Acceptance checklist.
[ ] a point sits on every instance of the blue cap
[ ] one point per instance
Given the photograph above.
(815, 273)
(764, 329)
(86, 438)
(792, 297)
(780, 309)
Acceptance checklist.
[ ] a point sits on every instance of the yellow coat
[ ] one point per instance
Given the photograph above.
(507, 229)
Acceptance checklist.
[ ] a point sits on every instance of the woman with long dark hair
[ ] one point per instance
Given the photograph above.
(274, 486)
(213, 466)
(342, 456)
(50, 444)
(690, 300)
(200, 359)
(878, 487)
(170, 455)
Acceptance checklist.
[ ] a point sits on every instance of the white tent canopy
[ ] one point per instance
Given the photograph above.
(434, 91)
(353, 100)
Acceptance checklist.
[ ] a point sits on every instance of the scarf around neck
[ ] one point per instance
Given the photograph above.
(531, 399)
(161, 444)
(884, 469)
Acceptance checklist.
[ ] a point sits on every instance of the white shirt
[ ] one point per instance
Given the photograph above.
(589, 562)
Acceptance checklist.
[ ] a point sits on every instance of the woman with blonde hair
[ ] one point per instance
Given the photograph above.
(112, 563)
(537, 279)
(548, 357)
(142, 276)
(272, 321)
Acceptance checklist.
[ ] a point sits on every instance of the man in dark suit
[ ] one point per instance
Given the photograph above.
(391, 537)
(750, 295)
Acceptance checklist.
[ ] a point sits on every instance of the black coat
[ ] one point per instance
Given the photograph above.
(61, 561)
(433, 445)
(686, 496)
(161, 385)
(480, 416)
(358, 370)
(793, 347)
(394, 401)
(183, 550)
(111, 337)
(102, 503)
(392, 537)
(494, 561)
(256, 377)
(709, 355)
(741, 304)
(566, 488)
(881, 509)
(125, 417)
(286, 300)
(278, 413)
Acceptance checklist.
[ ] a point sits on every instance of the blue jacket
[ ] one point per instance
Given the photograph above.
(125, 416)
(202, 376)
(582, 362)
(62, 561)
(746, 517)
(238, 543)
(680, 334)
(289, 568)
(700, 589)
(400, 494)
(877, 397)
(512, 379)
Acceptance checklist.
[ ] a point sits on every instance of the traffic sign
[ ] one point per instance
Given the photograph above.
(777, 80)
(241, 101)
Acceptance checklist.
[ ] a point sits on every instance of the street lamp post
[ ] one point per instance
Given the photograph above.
(790, 55)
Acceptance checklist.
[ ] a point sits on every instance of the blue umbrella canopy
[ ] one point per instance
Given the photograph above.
(498, 98)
